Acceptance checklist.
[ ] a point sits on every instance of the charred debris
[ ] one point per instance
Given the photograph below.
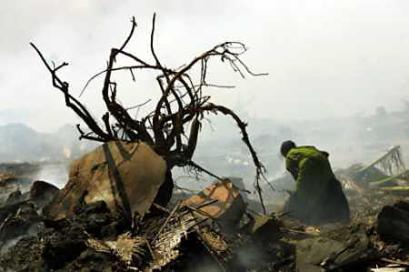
(118, 210)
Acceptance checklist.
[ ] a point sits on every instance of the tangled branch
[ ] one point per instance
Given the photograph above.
(173, 127)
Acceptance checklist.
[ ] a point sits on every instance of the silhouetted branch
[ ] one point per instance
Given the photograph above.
(173, 127)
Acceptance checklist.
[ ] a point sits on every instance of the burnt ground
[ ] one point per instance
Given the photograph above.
(96, 239)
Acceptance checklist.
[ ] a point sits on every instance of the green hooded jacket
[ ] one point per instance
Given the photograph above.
(318, 197)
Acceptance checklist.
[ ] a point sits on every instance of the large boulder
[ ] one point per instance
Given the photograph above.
(340, 249)
(42, 193)
(126, 176)
(393, 222)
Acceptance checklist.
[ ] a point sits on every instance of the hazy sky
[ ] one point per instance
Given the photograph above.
(324, 58)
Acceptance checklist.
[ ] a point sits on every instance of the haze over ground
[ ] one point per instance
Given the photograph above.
(324, 58)
(327, 60)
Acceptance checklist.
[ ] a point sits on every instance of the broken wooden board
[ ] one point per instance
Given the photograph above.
(221, 202)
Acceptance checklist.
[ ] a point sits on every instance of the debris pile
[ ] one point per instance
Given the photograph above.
(388, 172)
(115, 212)
(108, 174)
(112, 215)
(160, 240)
(87, 225)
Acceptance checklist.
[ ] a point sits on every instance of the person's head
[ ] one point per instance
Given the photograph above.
(286, 147)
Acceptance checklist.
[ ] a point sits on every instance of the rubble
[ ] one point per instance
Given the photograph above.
(192, 231)
(340, 248)
(263, 227)
(20, 216)
(18, 170)
(10, 183)
(393, 222)
(126, 176)
(84, 226)
(387, 170)
(14, 197)
(221, 201)
(212, 228)
(94, 231)
(42, 192)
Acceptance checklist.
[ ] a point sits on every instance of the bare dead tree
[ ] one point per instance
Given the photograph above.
(173, 127)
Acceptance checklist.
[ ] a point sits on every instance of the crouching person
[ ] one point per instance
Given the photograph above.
(318, 198)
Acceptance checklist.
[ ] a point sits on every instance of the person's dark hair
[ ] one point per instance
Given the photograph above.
(286, 147)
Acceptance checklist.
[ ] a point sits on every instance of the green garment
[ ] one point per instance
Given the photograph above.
(318, 197)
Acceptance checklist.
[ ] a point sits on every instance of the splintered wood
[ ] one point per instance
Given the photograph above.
(220, 201)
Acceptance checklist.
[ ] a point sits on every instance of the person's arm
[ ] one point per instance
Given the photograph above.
(292, 167)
